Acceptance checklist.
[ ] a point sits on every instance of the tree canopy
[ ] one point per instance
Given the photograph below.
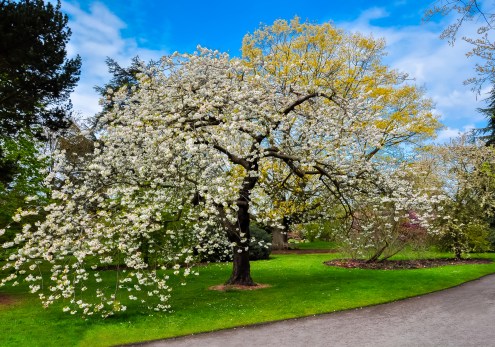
(36, 77)
(184, 150)
(488, 132)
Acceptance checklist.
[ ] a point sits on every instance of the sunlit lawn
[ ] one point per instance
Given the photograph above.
(301, 285)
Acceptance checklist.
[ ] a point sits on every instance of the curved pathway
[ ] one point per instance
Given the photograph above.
(459, 316)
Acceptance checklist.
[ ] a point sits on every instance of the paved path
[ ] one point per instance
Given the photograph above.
(460, 316)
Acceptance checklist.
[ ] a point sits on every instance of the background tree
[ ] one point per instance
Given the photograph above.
(125, 78)
(284, 200)
(488, 132)
(466, 172)
(36, 77)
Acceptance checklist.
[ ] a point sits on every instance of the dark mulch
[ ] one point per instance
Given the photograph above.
(402, 264)
(303, 251)
(6, 299)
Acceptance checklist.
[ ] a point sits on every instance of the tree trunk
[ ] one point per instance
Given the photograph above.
(279, 239)
(457, 246)
(241, 272)
(285, 234)
(239, 233)
(280, 236)
(377, 254)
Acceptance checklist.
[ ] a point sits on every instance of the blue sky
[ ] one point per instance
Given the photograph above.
(152, 28)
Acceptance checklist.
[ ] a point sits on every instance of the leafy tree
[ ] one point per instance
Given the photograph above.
(123, 78)
(192, 140)
(25, 187)
(35, 81)
(36, 77)
(468, 184)
(488, 132)
(312, 57)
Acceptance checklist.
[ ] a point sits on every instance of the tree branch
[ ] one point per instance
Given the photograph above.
(299, 101)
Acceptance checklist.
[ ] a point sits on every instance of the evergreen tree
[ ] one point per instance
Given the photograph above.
(36, 77)
(488, 132)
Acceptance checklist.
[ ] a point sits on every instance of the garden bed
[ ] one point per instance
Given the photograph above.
(402, 264)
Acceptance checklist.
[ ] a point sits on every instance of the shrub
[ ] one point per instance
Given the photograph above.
(472, 237)
(260, 246)
(378, 235)
(322, 230)
(491, 238)
(215, 250)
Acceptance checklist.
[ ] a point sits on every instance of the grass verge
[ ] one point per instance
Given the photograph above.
(300, 286)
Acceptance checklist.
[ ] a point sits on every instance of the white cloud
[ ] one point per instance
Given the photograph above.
(448, 133)
(445, 134)
(96, 35)
(371, 14)
(433, 63)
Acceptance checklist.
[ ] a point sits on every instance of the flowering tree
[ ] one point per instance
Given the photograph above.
(184, 150)
(467, 177)
(393, 217)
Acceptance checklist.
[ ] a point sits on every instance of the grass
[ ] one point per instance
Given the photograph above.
(317, 244)
(301, 286)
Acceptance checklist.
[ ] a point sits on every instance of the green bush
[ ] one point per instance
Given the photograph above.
(322, 230)
(473, 237)
(260, 246)
(219, 250)
(491, 233)
(214, 248)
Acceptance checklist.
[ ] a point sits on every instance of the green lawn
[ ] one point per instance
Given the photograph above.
(301, 286)
(317, 244)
